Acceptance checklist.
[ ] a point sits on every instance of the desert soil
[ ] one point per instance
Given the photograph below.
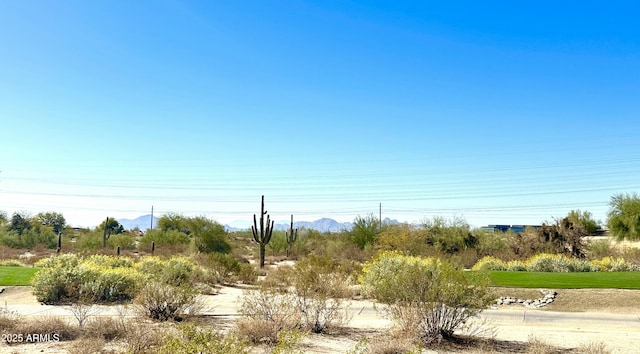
(577, 318)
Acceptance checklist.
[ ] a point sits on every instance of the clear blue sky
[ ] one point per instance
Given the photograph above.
(498, 112)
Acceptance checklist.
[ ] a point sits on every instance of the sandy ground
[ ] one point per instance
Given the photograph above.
(619, 331)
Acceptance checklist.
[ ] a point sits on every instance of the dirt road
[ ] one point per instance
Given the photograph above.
(620, 332)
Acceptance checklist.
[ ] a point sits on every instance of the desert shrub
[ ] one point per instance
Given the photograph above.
(593, 348)
(247, 274)
(545, 262)
(278, 244)
(490, 263)
(152, 266)
(101, 279)
(579, 265)
(110, 285)
(125, 241)
(29, 238)
(105, 261)
(163, 302)
(163, 238)
(12, 263)
(222, 267)
(394, 342)
(490, 243)
(516, 266)
(192, 339)
(89, 241)
(404, 238)
(267, 311)
(448, 236)
(141, 337)
(279, 277)
(176, 271)
(86, 345)
(321, 284)
(58, 281)
(598, 249)
(53, 327)
(425, 296)
(613, 264)
(8, 319)
(106, 328)
(288, 340)
(365, 230)
(535, 345)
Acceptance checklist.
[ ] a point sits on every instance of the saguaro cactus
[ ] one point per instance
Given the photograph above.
(264, 236)
(291, 236)
(59, 243)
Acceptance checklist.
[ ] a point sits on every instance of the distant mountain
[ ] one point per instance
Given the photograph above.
(390, 221)
(142, 222)
(322, 225)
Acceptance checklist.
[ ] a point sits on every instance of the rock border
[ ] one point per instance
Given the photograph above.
(548, 296)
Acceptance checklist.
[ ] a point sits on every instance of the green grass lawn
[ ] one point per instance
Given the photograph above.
(606, 280)
(12, 276)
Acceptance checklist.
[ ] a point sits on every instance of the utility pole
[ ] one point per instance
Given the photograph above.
(380, 214)
(151, 228)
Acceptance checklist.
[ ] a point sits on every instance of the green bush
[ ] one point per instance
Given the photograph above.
(110, 285)
(105, 261)
(162, 238)
(89, 241)
(516, 266)
(489, 263)
(125, 241)
(176, 271)
(198, 340)
(613, 264)
(29, 238)
(425, 296)
(545, 262)
(223, 268)
(58, 281)
(449, 236)
(100, 279)
(491, 242)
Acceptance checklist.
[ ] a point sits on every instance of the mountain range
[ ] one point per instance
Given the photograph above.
(323, 225)
(141, 222)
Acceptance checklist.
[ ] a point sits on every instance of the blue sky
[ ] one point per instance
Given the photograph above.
(498, 112)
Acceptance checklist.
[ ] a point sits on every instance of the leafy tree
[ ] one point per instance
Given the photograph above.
(208, 235)
(20, 222)
(55, 220)
(405, 238)
(365, 230)
(3, 217)
(583, 219)
(110, 227)
(624, 216)
(173, 221)
(449, 235)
